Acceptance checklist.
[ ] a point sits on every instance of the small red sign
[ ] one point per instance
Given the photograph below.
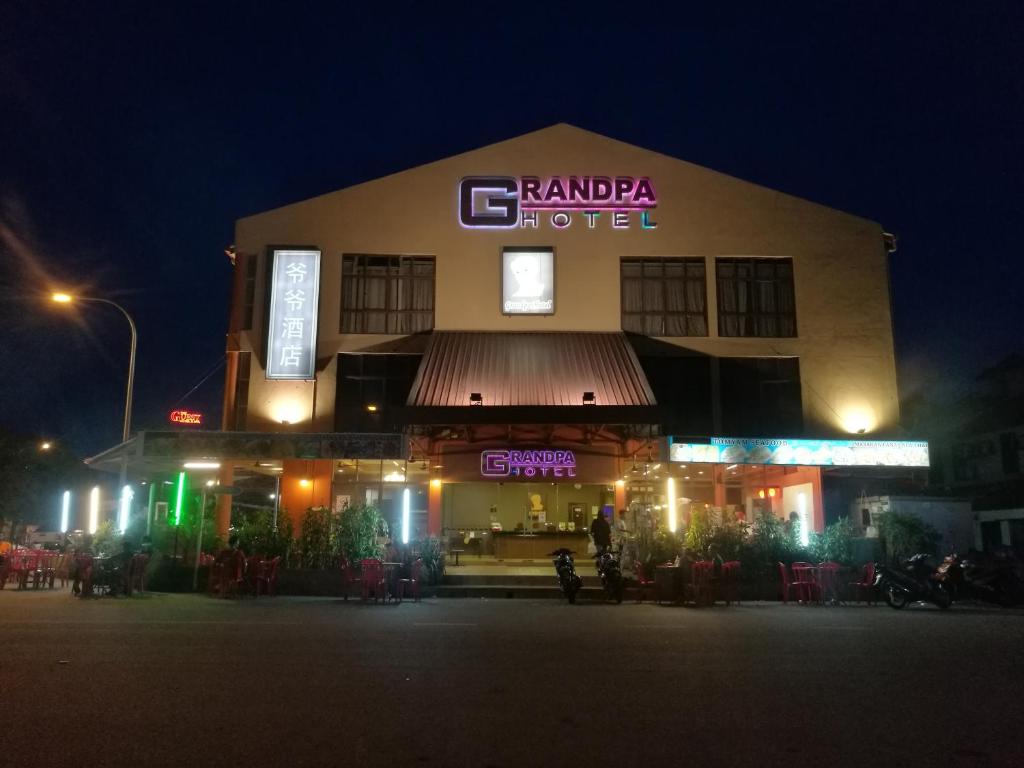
(186, 417)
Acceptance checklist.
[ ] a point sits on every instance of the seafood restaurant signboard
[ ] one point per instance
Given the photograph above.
(811, 453)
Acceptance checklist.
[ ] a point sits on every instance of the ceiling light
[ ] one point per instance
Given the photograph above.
(202, 465)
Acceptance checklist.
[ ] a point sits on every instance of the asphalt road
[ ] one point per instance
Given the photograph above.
(186, 681)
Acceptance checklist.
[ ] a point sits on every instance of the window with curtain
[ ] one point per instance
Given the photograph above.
(755, 297)
(664, 297)
(387, 294)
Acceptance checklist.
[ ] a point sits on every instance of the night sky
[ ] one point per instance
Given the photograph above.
(133, 135)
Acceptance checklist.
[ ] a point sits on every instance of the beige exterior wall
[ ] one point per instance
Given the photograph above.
(844, 330)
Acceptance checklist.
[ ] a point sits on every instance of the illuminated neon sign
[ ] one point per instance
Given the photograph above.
(291, 322)
(812, 453)
(498, 464)
(186, 417)
(504, 202)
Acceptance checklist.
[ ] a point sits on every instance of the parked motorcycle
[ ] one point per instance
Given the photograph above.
(993, 581)
(610, 571)
(565, 567)
(913, 581)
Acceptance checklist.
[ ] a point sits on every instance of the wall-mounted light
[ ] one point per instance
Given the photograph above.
(435, 483)
(476, 398)
(94, 509)
(65, 511)
(124, 509)
(671, 490)
(405, 516)
(371, 408)
(304, 482)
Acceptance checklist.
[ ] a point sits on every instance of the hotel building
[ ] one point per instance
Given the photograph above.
(519, 337)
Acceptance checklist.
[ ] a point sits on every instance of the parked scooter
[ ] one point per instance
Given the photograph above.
(565, 567)
(610, 571)
(914, 581)
(995, 581)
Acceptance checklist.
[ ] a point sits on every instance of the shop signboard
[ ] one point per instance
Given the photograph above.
(527, 281)
(813, 453)
(186, 417)
(499, 464)
(524, 202)
(291, 329)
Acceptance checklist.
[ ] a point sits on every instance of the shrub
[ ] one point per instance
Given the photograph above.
(257, 535)
(904, 535)
(700, 530)
(106, 540)
(432, 554)
(318, 540)
(360, 529)
(834, 544)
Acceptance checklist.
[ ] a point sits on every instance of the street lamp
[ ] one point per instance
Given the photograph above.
(67, 298)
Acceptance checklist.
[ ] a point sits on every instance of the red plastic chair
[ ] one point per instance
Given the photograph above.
(413, 582)
(372, 580)
(729, 584)
(699, 588)
(865, 588)
(806, 579)
(83, 574)
(137, 573)
(266, 576)
(231, 572)
(789, 587)
(643, 582)
(828, 581)
(349, 577)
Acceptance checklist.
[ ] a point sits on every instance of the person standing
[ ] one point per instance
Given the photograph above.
(601, 532)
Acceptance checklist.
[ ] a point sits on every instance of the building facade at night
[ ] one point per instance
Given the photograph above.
(521, 336)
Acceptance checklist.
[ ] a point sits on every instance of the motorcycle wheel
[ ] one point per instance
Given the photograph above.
(571, 594)
(942, 598)
(896, 598)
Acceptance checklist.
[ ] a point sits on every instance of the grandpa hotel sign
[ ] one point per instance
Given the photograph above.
(505, 202)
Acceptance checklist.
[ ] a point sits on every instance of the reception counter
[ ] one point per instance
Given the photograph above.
(509, 545)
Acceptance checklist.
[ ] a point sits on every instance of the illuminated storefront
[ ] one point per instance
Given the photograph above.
(517, 331)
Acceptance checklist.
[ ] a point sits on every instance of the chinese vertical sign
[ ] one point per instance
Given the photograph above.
(294, 298)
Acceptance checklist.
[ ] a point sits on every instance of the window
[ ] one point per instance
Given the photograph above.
(761, 396)
(387, 294)
(381, 380)
(664, 297)
(755, 297)
(242, 391)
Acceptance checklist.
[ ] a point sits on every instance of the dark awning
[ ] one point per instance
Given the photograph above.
(530, 369)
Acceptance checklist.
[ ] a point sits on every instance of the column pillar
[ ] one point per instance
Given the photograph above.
(434, 508)
(620, 496)
(226, 476)
(305, 483)
(718, 479)
(819, 500)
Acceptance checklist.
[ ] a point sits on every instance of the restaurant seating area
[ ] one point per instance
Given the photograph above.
(33, 568)
(705, 583)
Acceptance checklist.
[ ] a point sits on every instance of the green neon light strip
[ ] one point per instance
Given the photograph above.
(181, 496)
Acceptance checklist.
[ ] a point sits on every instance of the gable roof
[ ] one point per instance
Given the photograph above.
(572, 138)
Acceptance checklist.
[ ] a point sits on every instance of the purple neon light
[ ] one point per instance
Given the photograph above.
(506, 463)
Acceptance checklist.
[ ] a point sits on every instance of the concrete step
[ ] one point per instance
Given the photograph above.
(517, 592)
(508, 580)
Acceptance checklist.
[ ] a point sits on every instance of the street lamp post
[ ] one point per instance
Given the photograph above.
(66, 298)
